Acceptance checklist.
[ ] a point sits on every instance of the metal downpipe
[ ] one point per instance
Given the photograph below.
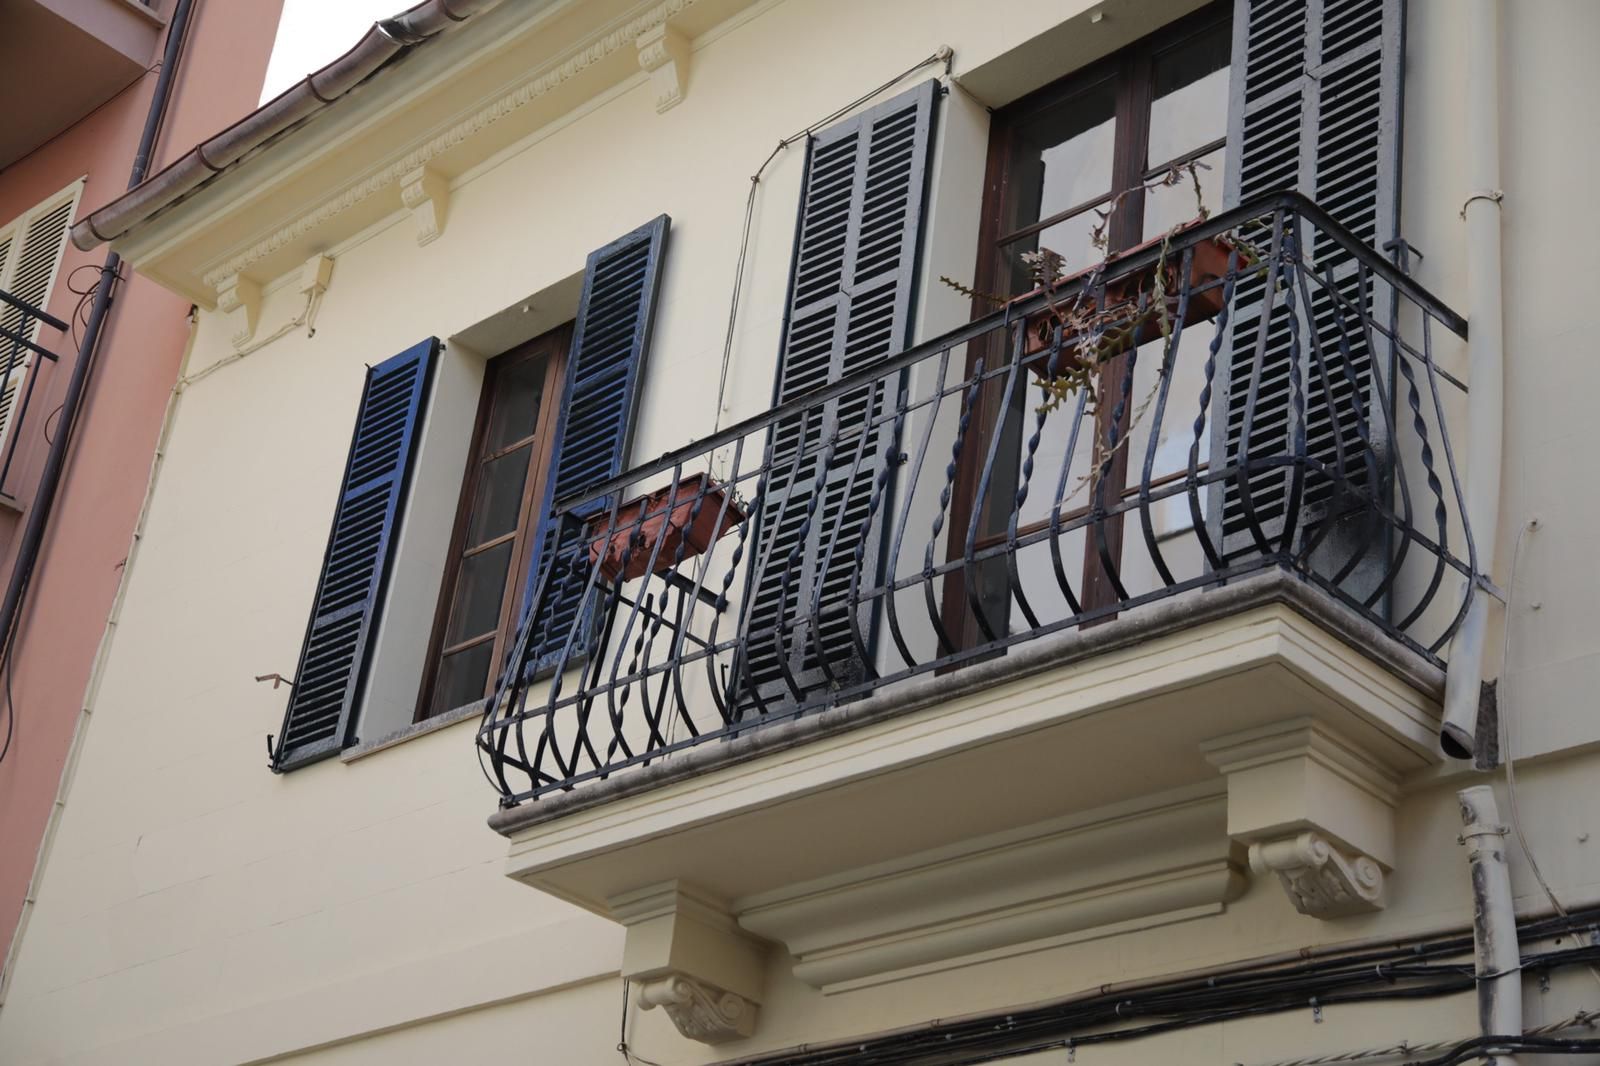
(1485, 349)
(1494, 920)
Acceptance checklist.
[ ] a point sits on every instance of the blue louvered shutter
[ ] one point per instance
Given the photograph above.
(850, 305)
(355, 569)
(1316, 105)
(599, 404)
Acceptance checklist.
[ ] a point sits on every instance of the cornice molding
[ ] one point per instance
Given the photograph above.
(584, 55)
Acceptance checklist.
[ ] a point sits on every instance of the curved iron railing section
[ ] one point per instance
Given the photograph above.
(1298, 425)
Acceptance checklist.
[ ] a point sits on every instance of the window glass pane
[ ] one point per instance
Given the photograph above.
(1189, 105)
(1063, 154)
(517, 389)
(463, 677)
(499, 502)
(1061, 159)
(479, 591)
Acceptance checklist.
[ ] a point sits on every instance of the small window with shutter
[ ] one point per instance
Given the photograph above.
(31, 248)
(555, 416)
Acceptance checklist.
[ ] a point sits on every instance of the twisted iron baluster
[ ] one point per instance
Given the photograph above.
(968, 399)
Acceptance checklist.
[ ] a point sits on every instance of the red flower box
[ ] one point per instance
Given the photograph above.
(644, 521)
(1208, 264)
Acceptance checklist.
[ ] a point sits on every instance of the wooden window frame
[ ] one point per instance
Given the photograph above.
(1132, 70)
(554, 347)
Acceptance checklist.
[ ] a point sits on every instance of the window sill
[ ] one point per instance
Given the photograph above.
(416, 729)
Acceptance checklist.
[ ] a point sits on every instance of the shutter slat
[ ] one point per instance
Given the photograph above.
(599, 406)
(331, 675)
(860, 218)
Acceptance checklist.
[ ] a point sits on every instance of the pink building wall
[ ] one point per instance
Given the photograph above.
(103, 486)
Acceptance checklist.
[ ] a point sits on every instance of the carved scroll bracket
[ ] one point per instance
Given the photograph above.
(664, 55)
(685, 954)
(1316, 807)
(1321, 880)
(700, 1011)
(426, 194)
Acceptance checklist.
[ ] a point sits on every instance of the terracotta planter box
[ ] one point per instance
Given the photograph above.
(1208, 264)
(670, 530)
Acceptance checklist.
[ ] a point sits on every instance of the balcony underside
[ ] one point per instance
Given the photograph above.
(64, 58)
(1073, 787)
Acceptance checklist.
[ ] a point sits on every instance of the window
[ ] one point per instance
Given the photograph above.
(529, 450)
(1066, 163)
(499, 511)
(31, 247)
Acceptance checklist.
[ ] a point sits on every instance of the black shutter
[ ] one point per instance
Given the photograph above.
(1315, 107)
(355, 570)
(598, 407)
(850, 305)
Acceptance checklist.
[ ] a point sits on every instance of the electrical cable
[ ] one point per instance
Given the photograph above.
(85, 296)
(628, 1054)
(1417, 971)
(942, 55)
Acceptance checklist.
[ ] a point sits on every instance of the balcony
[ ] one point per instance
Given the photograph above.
(65, 58)
(20, 353)
(1052, 624)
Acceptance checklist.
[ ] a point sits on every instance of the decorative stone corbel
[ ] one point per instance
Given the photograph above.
(685, 954)
(1316, 808)
(426, 194)
(664, 55)
(1321, 880)
(237, 292)
(701, 1012)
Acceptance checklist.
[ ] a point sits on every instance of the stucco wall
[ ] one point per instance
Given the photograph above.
(104, 482)
(199, 909)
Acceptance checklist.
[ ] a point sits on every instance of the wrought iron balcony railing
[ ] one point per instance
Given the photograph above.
(20, 352)
(1258, 391)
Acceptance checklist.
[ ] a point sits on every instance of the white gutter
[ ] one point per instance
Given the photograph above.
(1494, 921)
(1485, 349)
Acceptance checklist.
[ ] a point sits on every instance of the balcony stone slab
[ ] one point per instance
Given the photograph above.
(1082, 785)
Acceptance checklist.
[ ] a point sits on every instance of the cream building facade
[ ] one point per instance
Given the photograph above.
(974, 726)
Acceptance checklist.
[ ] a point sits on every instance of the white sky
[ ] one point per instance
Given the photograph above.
(313, 33)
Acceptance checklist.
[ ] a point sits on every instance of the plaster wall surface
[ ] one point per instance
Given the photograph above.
(108, 467)
(198, 909)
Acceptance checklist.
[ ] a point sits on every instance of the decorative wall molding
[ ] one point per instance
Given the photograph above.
(1024, 886)
(584, 55)
(700, 1011)
(1321, 880)
(426, 193)
(664, 55)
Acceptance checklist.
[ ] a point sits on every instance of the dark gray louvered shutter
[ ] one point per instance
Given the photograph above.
(850, 306)
(598, 407)
(355, 570)
(1315, 107)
